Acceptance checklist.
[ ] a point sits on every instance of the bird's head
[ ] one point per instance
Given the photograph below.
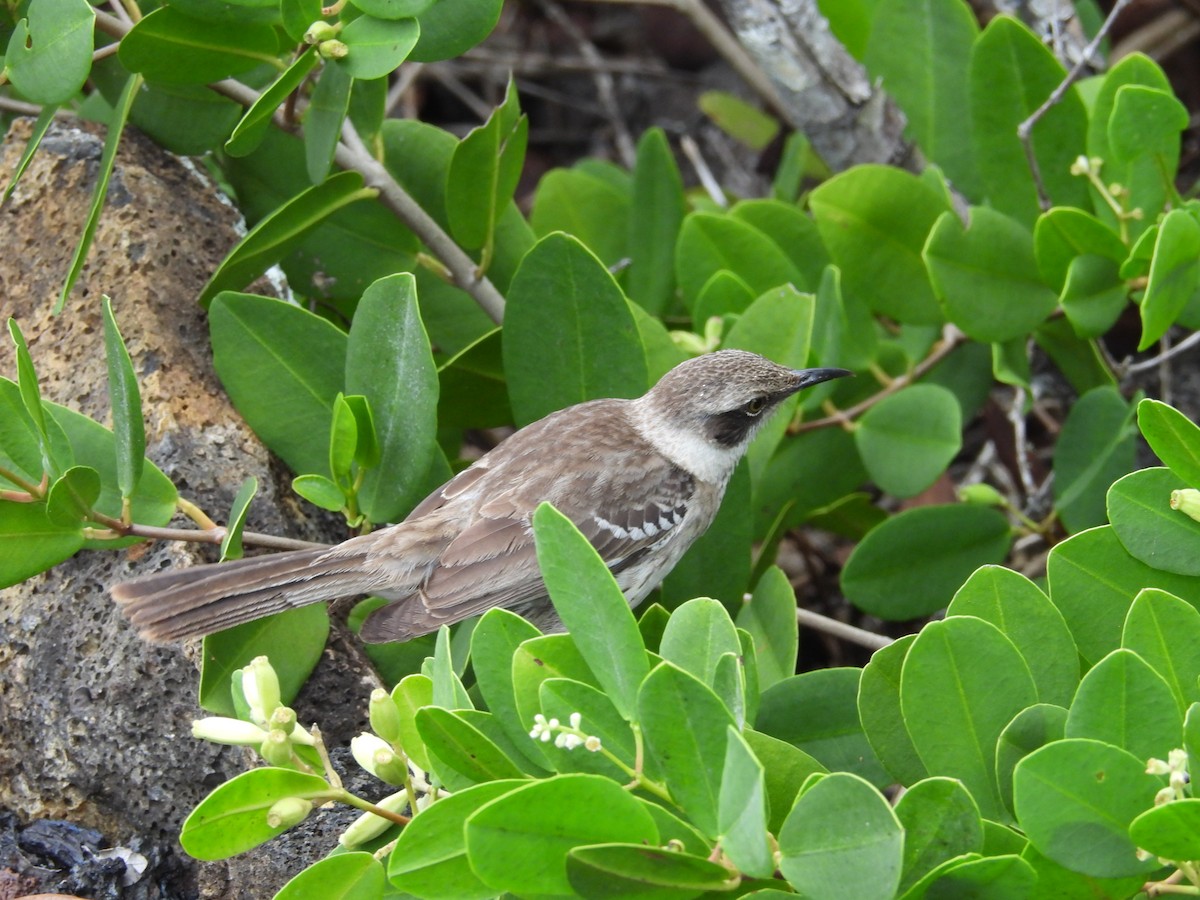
(705, 411)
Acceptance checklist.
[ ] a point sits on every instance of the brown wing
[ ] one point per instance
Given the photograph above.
(623, 511)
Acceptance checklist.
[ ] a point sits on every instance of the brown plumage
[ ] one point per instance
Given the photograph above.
(642, 479)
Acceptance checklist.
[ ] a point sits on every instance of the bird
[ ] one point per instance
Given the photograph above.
(642, 479)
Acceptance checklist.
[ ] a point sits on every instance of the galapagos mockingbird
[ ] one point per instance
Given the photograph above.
(641, 479)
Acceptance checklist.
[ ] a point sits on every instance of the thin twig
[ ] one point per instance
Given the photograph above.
(1129, 368)
(605, 91)
(951, 338)
(1025, 129)
(707, 180)
(842, 630)
(205, 536)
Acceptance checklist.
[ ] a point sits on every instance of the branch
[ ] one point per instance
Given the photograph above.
(206, 536)
(1025, 129)
(842, 630)
(353, 155)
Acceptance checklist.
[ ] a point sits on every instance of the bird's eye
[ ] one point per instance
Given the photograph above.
(755, 406)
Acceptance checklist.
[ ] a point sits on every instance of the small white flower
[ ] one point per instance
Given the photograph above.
(1157, 767)
(539, 726)
(576, 720)
(567, 741)
(365, 749)
(591, 743)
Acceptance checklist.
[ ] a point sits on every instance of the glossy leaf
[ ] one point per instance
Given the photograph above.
(632, 870)
(279, 233)
(1093, 581)
(562, 697)
(657, 205)
(1031, 728)
(1025, 615)
(742, 809)
(30, 543)
(1063, 234)
(1075, 800)
(586, 596)
(50, 52)
(449, 28)
(493, 643)
(709, 243)
(562, 289)
(786, 769)
(413, 693)
(173, 48)
(231, 543)
(1095, 448)
(292, 640)
(1011, 74)
(430, 857)
(343, 876)
(792, 230)
(544, 821)
(588, 207)
(911, 564)
(233, 818)
(769, 614)
(875, 220)
(38, 131)
(72, 496)
(1170, 831)
(1173, 437)
(841, 839)
(940, 821)
(697, 635)
(283, 367)
(252, 127)
(985, 275)
(457, 743)
(377, 46)
(388, 361)
(684, 724)
(907, 440)
(1174, 275)
(1124, 702)
(1093, 296)
(880, 714)
(126, 401)
(1165, 632)
(817, 712)
(962, 683)
(1140, 512)
(327, 110)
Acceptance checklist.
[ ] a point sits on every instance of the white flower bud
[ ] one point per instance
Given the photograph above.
(385, 717)
(222, 730)
(364, 747)
(260, 687)
(288, 812)
(369, 825)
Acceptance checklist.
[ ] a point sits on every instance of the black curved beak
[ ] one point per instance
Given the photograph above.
(809, 377)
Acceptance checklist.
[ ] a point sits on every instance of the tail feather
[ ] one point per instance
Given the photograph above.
(192, 602)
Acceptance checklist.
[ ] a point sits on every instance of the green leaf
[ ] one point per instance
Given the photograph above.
(586, 596)
(128, 427)
(841, 839)
(430, 857)
(633, 870)
(724, 293)
(1004, 877)
(1093, 581)
(108, 157)
(1010, 75)
(740, 120)
(1173, 437)
(709, 243)
(323, 120)
(1095, 448)
(589, 207)
(233, 818)
(1170, 831)
(817, 712)
(921, 51)
(1094, 296)
(320, 491)
(377, 46)
(560, 698)
(1124, 702)
(1065, 233)
(562, 289)
(484, 171)
(31, 543)
(50, 52)
(252, 127)
(282, 366)
(231, 543)
(742, 809)
(36, 133)
(542, 822)
(786, 769)
(697, 635)
(962, 683)
(1025, 615)
(449, 28)
(72, 496)
(1140, 512)
(413, 693)
(985, 275)
(393, 9)
(940, 821)
(875, 221)
(535, 661)
(30, 395)
(907, 440)
(353, 876)
(1075, 800)
(770, 616)
(911, 564)
(1174, 275)
(1165, 632)
(684, 724)
(1031, 728)
(880, 715)
(493, 643)
(388, 361)
(173, 48)
(463, 747)
(279, 233)
(657, 207)
(792, 231)
(1144, 128)
(292, 640)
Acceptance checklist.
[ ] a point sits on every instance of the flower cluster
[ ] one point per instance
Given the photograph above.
(569, 736)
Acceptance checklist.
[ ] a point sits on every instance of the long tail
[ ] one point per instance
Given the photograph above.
(192, 602)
